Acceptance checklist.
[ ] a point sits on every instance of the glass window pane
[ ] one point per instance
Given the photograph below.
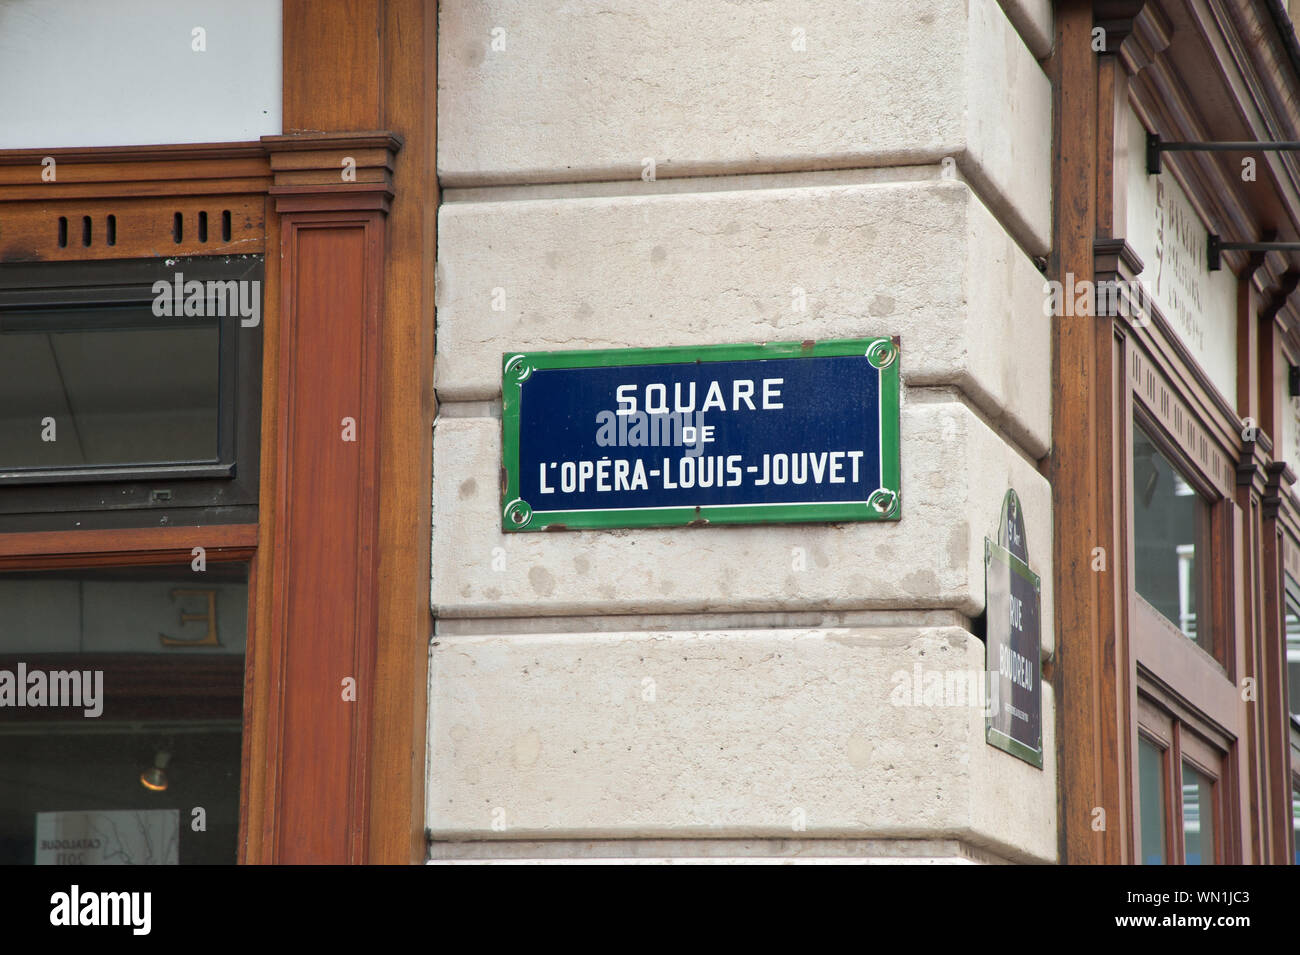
(121, 706)
(1151, 795)
(1295, 820)
(1293, 648)
(1169, 521)
(107, 387)
(1198, 817)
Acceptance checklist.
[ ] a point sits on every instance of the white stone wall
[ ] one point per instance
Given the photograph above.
(590, 90)
(625, 694)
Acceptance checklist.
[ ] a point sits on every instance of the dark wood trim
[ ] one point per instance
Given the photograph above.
(134, 544)
(398, 746)
(333, 65)
(257, 802)
(325, 547)
(143, 189)
(1087, 730)
(382, 53)
(163, 153)
(1163, 716)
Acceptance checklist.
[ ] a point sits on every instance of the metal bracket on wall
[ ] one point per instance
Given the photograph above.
(1214, 247)
(1156, 147)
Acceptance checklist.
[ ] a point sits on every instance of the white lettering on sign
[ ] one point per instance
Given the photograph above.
(1015, 667)
(655, 397)
(707, 470)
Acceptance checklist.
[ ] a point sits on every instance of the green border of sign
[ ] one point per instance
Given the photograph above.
(996, 737)
(885, 504)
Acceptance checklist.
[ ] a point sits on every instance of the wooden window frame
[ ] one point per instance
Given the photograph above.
(1097, 365)
(1195, 687)
(145, 547)
(1151, 731)
(224, 491)
(359, 84)
(1183, 736)
(1213, 565)
(1293, 842)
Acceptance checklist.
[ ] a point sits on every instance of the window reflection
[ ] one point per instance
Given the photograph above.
(107, 387)
(1151, 795)
(1170, 526)
(131, 681)
(1198, 817)
(1293, 647)
(1295, 820)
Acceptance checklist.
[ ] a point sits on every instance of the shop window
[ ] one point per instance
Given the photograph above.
(129, 392)
(1171, 531)
(1293, 648)
(1151, 790)
(1295, 817)
(121, 729)
(1180, 807)
(1183, 581)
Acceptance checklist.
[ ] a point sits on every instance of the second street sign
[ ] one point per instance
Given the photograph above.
(722, 434)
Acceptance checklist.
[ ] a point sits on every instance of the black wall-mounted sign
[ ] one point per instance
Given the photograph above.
(1013, 639)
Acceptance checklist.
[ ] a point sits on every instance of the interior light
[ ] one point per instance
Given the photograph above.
(155, 777)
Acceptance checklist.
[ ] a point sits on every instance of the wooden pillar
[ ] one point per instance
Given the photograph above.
(1074, 461)
(327, 500)
(1092, 681)
(346, 522)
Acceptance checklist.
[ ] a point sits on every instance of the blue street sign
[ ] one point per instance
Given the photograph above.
(801, 431)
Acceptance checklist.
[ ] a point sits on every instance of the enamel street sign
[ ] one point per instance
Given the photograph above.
(721, 434)
(1013, 640)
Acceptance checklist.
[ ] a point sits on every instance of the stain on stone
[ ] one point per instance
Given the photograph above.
(658, 254)
(581, 564)
(542, 580)
(881, 305)
(467, 488)
(957, 545)
(859, 752)
(526, 749)
(921, 583)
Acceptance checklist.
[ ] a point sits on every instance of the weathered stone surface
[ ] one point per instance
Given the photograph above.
(924, 260)
(767, 733)
(1033, 20)
(585, 91)
(955, 472)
